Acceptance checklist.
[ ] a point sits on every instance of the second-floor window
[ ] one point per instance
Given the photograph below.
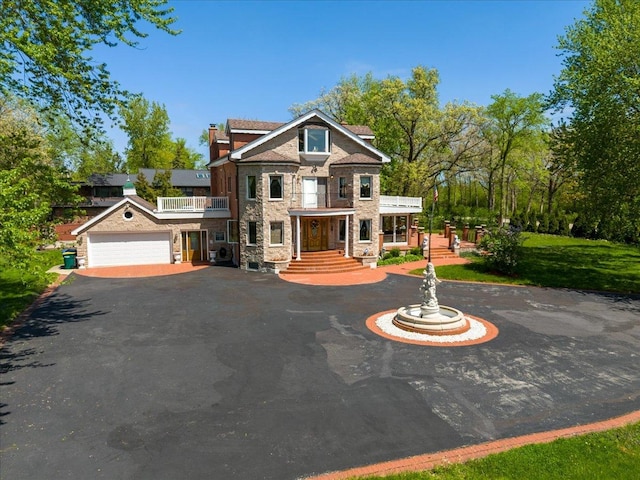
(251, 187)
(342, 187)
(314, 140)
(365, 187)
(275, 187)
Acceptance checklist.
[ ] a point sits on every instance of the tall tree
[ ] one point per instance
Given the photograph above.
(600, 86)
(185, 157)
(45, 52)
(513, 122)
(79, 152)
(421, 138)
(30, 181)
(147, 125)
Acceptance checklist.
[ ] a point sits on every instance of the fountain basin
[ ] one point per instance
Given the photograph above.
(445, 321)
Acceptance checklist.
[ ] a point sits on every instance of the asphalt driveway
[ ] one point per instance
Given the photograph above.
(224, 374)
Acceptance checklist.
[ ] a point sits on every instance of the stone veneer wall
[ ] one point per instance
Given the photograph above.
(264, 211)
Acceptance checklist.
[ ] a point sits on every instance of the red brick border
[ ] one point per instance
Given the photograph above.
(492, 332)
(463, 454)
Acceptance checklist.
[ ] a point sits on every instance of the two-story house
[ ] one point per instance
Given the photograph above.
(279, 191)
(308, 185)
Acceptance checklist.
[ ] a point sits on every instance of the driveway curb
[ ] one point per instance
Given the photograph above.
(472, 452)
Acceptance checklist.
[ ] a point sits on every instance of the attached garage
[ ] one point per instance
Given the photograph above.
(130, 248)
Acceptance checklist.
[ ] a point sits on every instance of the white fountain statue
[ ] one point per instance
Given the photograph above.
(430, 317)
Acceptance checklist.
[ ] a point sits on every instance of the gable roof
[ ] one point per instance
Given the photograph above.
(140, 202)
(269, 156)
(356, 159)
(236, 125)
(239, 153)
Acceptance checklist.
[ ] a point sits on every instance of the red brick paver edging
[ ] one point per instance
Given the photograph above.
(463, 454)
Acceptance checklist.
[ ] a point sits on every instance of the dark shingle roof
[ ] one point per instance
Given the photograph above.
(239, 124)
(182, 178)
(179, 178)
(269, 156)
(359, 129)
(357, 159)
(142, 202)
(109, 179)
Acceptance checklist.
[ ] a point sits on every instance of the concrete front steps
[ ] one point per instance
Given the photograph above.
(327, 261)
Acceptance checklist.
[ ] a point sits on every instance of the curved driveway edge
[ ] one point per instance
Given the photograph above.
(473, 452)
(184, 375)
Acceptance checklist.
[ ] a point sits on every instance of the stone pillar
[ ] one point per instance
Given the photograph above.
(447, 226)
(479, 233)
(465, 232)
(452, 234)
(346, 236)
(298, 238)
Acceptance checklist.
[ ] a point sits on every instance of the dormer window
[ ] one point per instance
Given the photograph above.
(314, 143)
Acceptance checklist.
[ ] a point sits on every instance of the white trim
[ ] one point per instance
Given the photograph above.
(283, 235)
(237, 154)
(370, 177)
(281, 197)
(255, 186)
(388, 210)
(321, 213)
(108, 212)
(219, 162)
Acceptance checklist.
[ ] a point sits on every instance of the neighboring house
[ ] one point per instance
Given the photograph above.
(101, 191)
(279, 191)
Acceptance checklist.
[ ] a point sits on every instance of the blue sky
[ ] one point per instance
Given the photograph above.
(254, 59)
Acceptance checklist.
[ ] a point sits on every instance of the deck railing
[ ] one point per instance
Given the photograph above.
(395, 201)
(192, 204)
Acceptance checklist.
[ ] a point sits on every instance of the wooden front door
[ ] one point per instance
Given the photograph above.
(315, 234)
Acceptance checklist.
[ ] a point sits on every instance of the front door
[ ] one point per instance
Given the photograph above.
(193, 243)
(315, 234)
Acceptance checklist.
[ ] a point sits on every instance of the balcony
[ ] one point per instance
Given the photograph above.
(193, 207)
(319, 200)
(396, 204)
(192, 204)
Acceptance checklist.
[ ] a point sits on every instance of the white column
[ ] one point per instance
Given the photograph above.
(298, 237)
(346, 236)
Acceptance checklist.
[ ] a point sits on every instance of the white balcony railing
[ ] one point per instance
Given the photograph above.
(394, 201)
(192, 204)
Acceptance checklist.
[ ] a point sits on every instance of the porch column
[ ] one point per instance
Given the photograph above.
(298, 238)
(346, 236)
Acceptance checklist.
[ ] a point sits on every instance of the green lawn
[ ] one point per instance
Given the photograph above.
(614, 454)
(18, 289)
(554, 261)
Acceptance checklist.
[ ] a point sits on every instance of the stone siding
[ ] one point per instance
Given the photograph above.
(143, 222)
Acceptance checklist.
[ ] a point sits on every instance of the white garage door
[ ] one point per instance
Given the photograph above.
(109, 249)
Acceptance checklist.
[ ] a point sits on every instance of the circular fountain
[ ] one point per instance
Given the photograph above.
(429, 317)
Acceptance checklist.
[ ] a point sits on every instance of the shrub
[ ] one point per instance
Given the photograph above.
(502, 249)
(399, 260)
(394, 252)
(415, 251)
